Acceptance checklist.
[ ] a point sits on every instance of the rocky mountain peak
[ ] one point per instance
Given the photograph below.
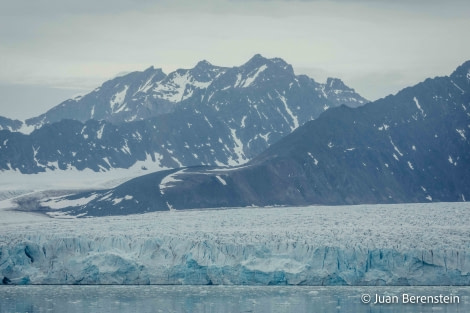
(335, 83)
(206, 115)
(203, 64)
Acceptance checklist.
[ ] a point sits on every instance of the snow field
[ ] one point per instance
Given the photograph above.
(14, 183)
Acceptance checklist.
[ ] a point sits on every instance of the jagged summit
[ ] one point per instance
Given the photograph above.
(258, 60)
(278, 61)
(203, 64)
(150, 69)
(144, 94)
(206, 115)
(156, 71)
(332, 82)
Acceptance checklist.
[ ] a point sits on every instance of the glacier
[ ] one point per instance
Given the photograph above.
(399, 244)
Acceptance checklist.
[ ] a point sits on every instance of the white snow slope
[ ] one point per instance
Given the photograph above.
(14, 183)
(417, 244)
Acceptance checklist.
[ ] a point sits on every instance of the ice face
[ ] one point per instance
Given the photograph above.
(415, 244)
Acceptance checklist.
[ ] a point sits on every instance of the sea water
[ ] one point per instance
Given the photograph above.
(221, 299)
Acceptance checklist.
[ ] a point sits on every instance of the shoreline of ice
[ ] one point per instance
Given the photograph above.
(399, 244)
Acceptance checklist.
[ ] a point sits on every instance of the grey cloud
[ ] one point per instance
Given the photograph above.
(46, 41)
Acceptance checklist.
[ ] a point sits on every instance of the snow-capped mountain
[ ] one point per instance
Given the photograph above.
(142, 95)
(207, 115)
(135, 96)
(410, 147)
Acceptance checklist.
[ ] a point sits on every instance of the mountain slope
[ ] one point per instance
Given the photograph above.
(207, 115)
(119, 99)
(410, 147)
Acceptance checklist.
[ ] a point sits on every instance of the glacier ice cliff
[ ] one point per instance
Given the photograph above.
(157, 261)
(362, 245)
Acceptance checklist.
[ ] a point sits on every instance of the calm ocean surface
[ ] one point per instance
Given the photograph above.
(220, 299)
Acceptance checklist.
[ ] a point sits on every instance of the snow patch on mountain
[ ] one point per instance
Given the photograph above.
(99, 134)
(59, 203)
(395, 147)
(169, 180)
(179, 86)
(221, 180)
(462, 133)
(242, 123)
(289, 111)
(315, 161)
(118, 99)
(174, 90)
(147, 85)
(14, 183)
(238, 149)
(252, 77)
(419, 107)
(458, 87)
(27, 129)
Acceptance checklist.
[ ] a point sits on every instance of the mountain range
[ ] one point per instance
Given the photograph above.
(207, 115)
(408, 147)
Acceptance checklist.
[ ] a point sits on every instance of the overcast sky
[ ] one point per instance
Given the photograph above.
(51, 50)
